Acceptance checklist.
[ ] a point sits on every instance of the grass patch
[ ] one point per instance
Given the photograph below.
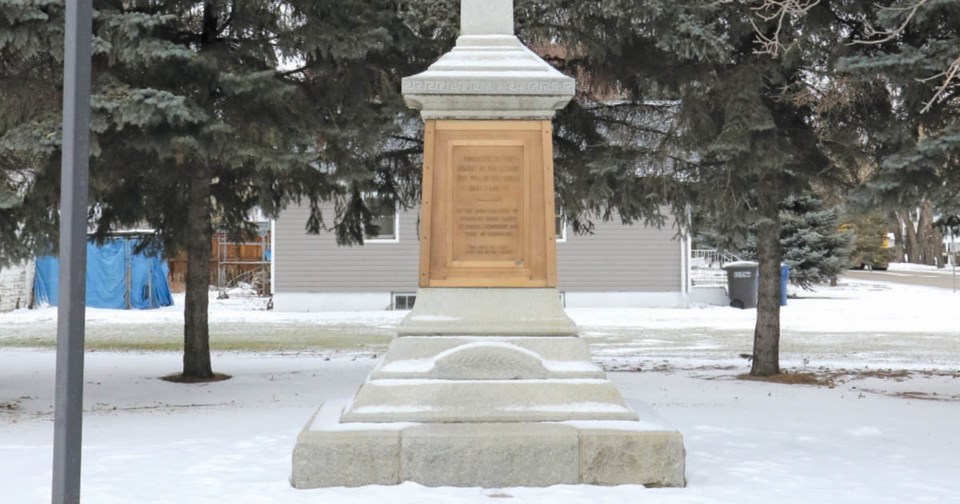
(223, 337)
(28, 343)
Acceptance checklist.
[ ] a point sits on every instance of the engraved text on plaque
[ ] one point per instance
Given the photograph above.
(488, 203)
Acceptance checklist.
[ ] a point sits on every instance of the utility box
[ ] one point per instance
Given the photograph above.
(743, 283)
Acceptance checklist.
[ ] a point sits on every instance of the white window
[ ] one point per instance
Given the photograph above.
(388, 224)
(561, 226)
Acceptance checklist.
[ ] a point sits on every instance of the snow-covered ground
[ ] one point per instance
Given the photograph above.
(880, 426)
(922, 268)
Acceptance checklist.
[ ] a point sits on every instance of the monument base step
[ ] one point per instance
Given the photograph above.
(329, 453)
(486, 311)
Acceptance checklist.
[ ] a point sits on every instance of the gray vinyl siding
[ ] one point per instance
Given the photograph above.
(615, 258)
(315, 263)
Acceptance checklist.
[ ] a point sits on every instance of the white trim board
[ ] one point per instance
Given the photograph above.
(374, 301)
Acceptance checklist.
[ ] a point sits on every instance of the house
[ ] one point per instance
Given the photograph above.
(617, 266)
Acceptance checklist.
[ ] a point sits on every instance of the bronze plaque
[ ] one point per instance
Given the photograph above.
(487, 214)
(488, 204)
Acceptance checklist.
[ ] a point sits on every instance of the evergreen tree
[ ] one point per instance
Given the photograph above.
(680, 103)
(815, 243)
(31, 52)
(203, 110)
(914, 49)
(742, 127)
(633, 61)
(871, 245)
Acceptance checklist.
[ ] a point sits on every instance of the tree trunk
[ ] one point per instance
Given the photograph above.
(766, 336)
(913, 246)
(898, 245)
(929, 237)
(923, 230)
(196, 330)
(196, 333)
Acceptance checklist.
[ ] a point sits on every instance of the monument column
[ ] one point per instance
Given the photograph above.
(488, 262)
(487, 383)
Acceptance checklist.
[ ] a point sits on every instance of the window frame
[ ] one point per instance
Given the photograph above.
(396, 228)
(562, 232)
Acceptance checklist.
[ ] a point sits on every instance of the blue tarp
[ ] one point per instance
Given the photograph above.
(116, 277)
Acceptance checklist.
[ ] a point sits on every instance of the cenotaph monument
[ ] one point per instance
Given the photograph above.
(487, 383)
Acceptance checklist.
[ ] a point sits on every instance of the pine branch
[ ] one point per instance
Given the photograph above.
(875, 37)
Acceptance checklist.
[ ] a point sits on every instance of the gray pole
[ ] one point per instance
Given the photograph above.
(68, 415)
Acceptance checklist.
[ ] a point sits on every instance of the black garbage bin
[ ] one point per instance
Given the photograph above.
(743, 283)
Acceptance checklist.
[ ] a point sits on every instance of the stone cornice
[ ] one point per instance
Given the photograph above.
(484, 74)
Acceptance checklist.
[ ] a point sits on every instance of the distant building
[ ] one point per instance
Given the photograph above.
(16, 286)
(617, 266)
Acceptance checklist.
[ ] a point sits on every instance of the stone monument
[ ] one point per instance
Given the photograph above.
(487, 383)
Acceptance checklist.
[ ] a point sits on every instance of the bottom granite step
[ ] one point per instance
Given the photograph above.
(498, 454)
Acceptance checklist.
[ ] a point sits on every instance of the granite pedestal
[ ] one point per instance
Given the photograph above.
(490, 411)
(487, 383)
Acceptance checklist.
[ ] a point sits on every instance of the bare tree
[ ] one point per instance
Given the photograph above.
(779, 11)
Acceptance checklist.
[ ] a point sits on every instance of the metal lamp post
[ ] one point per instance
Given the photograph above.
(68, 415)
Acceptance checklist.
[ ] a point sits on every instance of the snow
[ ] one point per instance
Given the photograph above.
(403, 382)
(328, 419)
(409, 366)
(852, 307)
(569, 366)
(481, 345)
(882, 428)
(922, 268)
(740, 264)
(373, 410)
(435, 318)
(581, 407)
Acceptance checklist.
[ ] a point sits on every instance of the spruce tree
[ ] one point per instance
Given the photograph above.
(204, 110)
(914, 49)
(632, 61)
(740, 127)
(212, 107)
(31, 52)
(814, 245)
(817, 245)
(871, 248)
